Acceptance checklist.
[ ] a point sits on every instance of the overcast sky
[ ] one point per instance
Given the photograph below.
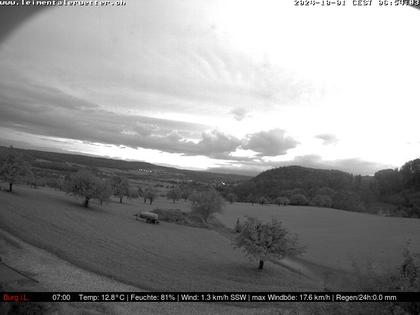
(238, 86)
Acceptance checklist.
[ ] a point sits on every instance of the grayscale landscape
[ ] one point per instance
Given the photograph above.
(209, 146)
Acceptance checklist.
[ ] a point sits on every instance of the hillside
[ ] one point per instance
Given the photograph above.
(303, 177)
(52, 164)
(388, 192)
(289, 180)
(109, 241)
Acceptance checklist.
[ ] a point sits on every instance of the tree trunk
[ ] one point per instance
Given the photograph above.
(86, 203)
(261, 265)
(10, 187)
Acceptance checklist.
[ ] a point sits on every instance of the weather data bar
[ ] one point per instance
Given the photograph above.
(209, 297)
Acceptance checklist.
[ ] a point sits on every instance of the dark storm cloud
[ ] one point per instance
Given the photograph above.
(270, 143)
(327, 138)
(50, 112)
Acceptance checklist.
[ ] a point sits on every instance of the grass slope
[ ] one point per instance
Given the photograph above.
(58, 275)
(338, 238)
(109, 241)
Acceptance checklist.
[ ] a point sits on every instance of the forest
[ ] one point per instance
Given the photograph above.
(392, 192)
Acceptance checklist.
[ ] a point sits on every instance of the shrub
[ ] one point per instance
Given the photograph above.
(206, 203)
(104, 191)
(262, 200)
(185, 193)
(171, 215)
(149, 194)
(405, 278)
(133, 192)
(174, 194)
(284, 201)
(299, 191)
(251, 199)
(298, 200)
(322, 201)
(231, 197)
(120, 187)
(179, 217)
(326, 191)
(347, 200)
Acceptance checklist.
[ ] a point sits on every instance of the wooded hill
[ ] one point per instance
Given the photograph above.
(389, 192)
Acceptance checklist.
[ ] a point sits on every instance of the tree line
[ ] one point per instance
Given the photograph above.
(85, 184)
(392, 191)
(401, 188)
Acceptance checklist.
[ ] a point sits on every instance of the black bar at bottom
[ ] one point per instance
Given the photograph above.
(209, 297)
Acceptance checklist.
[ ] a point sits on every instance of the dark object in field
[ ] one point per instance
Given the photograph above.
(150, 217)
(180, 217)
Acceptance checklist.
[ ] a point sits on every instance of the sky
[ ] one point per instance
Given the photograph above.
(236, 86)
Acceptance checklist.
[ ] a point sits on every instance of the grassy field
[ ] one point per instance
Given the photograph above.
(58, 275)
(333, 238)
(338, 238)
(109, 241)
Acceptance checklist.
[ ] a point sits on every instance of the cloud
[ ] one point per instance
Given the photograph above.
(239, 113)
(50, 112)
(327, 138)
(217, 142)
(176, 63)
(213, 144)
(270, 143)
